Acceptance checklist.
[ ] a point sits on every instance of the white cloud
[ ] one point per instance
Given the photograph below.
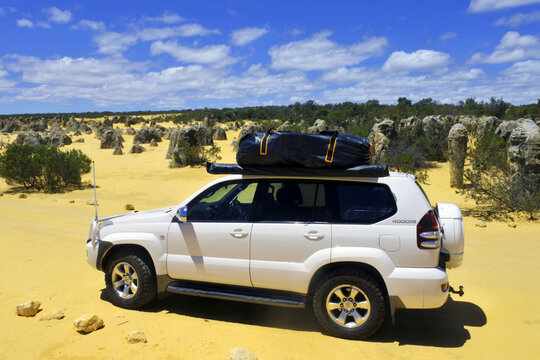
(447, 36)
(58, 16)
(25, 23)
(89, 24)
(186, 30)
(115, 81)
(450, 87)
(513, 47)
(43, 24)
(518, 84)
(195, 30)
(477, 6)
(246, 35)
(525, 68)
(419, 60)
(113, 43)
(519, 19)
(5, 84)
(166, 18)
(212, 54)
(73, 71)
(319, 53)
(345, 75)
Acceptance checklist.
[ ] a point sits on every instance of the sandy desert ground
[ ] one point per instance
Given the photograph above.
(43, 258)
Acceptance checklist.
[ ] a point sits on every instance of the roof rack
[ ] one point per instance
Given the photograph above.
(357, 171)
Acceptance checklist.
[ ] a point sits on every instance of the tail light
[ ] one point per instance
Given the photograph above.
(428, 234)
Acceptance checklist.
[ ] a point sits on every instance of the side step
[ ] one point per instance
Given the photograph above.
(237, 293)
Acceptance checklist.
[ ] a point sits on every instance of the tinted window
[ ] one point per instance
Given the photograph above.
(363, 202)
(230, 201)
(293, 201)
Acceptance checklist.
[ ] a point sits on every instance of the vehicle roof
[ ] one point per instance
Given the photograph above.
(392, 176)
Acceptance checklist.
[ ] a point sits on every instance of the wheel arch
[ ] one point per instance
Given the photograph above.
(332, 267)
(115, 249)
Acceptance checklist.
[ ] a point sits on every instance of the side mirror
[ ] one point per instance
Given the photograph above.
(181, 214)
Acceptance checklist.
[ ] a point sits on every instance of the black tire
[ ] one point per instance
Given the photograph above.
(360, 317)
(145, 283)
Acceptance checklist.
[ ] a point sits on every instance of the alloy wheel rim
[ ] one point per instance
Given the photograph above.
(348, 306)
(125, 280)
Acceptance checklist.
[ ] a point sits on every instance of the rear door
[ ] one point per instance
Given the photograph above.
(290, 234)
(358, 208)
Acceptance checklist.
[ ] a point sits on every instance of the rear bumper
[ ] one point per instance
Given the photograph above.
(418, 288)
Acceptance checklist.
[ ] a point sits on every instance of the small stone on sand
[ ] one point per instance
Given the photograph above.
(481, 224)
(129, 207)
(87, 323)
(29, 308)
(53, 315)
(239, 353)
(136, 336)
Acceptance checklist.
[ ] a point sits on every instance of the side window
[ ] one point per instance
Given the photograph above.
(231, 201)
(364, 203)
(293, 201)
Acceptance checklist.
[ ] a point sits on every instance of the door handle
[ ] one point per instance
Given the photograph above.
(238, 233)
(313, 235)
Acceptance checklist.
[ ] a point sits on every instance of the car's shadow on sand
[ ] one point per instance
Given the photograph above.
(443, 327)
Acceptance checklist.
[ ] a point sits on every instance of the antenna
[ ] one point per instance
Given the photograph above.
(95, 194)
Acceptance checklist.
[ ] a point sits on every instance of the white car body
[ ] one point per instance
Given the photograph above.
(287, 256)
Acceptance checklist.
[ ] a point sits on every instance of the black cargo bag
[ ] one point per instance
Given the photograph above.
(325, 150)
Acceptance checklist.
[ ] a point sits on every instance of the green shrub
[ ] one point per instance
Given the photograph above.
(491, 183)
(42, 167)
(199, 155)
(363, 129)
(406, 158)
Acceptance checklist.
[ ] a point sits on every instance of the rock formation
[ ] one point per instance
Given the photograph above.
(457, 151)
(382, 135)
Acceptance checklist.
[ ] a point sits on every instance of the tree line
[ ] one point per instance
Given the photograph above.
(310, 110)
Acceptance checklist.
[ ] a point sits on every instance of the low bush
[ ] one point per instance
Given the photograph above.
(404, 157)
(491, 183)
(43, 168)
(200, 155)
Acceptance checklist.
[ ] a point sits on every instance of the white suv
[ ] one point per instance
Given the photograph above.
(355, 248)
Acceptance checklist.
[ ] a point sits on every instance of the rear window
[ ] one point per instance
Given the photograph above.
(293, 201)
(363, 203)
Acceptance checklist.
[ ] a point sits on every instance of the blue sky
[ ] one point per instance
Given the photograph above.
(66, 56)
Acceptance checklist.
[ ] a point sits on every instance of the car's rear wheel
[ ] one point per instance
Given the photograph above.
(130, 280)
(349, 304)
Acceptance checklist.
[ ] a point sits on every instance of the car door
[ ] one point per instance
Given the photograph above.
(358, 211)
(213, 244)
(290, 236)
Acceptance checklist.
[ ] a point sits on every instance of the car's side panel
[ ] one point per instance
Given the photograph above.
(284, 256)
(417, 288)
(215, 252)
(150, 240)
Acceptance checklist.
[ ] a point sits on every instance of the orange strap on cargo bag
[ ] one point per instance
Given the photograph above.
(331, 149)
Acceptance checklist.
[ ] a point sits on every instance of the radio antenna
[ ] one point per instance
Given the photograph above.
(95, 194)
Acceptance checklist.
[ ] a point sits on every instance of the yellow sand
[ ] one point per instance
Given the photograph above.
(43, 258)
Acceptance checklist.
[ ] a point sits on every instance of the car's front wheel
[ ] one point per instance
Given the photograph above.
(130, 280)
(349, 304)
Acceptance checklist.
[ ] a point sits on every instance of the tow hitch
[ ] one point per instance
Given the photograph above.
(460, 292)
